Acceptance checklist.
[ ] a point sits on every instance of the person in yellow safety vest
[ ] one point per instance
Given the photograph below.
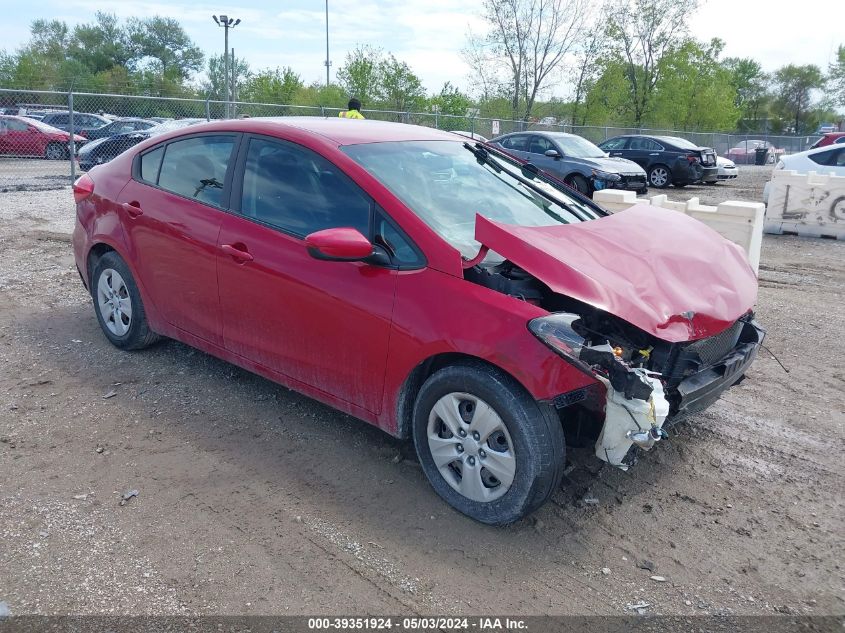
(353, 112)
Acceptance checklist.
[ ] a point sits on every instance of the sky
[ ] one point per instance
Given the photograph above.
(427, 34)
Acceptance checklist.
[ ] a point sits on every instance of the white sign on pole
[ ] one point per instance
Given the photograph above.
(494, 127)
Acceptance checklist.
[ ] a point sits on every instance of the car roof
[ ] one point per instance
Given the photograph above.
(817, 150)
(336, 129)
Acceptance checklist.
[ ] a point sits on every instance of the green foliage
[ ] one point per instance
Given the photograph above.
(836, 78)
(360, 75)
(451, 101)
(793, 95)
(272, 86)
(399, 88)
(161, 44)
(215, 84)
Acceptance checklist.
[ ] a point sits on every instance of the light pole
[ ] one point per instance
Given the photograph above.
(227, 23)
(328, 63)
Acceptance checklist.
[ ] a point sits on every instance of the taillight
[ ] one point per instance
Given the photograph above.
(83, 188)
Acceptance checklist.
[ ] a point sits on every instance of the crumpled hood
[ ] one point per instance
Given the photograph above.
(614, 165)
(660, 270)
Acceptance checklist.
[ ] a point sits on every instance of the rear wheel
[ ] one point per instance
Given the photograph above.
(118, 304)
(659, 176)
(487, 447)
(837, 210)
(55, 151)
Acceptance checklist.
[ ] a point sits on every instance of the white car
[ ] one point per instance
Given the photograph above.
(829, 159)
(727, 170)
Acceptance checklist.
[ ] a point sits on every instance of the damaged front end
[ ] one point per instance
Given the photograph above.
(653, 305)
(646, 381)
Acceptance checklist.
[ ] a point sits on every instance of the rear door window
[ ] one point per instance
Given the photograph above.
(518, 142)
(196, 168)
(824, 158)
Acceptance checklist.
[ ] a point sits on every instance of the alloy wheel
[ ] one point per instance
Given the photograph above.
(114, 302)
(471, 447)
(659, 177)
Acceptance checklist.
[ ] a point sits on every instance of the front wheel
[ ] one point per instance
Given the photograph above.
(659, 176)
(487, 447)
(579, 184)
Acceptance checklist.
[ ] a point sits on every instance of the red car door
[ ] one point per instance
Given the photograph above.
(23, 140)
(171, 213)
(323, 323)
(4, 137)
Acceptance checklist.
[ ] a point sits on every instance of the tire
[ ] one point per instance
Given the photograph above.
(642, 192)
(659, 176)
(55, 151)
(118, 306)
(521, 438)
(579, 184)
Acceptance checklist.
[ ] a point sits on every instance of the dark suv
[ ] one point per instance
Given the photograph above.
(668, 160)
(82, 123)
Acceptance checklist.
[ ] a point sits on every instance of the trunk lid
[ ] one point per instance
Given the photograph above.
(660, 270)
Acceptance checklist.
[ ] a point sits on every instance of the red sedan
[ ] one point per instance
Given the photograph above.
(430, 285)
(27, 137)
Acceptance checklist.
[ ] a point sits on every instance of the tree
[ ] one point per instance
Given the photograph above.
(451, 101)
(165, 45)
(102, 45)
(588, 54)
(793, 93)
(836, 78)
(399, 88)
(695, 91)
(750, 86)
(215, 85)
(360, 73)
(640, 33)
(280, 85)
(525, 44)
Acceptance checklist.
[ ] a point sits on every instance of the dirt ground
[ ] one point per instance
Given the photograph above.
(255, 500)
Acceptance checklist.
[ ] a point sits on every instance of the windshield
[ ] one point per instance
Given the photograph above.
(578, 147)
(39, 125)
(446, 184)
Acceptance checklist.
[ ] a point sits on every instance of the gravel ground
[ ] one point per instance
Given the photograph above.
(253, 499)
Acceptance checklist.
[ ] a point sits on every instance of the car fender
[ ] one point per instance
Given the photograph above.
(465, 319)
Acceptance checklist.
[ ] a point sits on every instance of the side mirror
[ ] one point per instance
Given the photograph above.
(552, 153)
(339, 245)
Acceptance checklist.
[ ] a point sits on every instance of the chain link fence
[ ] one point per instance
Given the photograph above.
(40, 131)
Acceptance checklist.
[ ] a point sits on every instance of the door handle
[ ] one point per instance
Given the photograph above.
(239, 254)
(133, 209)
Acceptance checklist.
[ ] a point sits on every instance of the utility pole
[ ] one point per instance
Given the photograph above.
(234, 91)
(227, 23)
(328, 63)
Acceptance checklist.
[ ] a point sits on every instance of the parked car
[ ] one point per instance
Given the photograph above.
(829, 159)
(440, 291)
(102, 150)
(473, 135)
(727, 170)
(575, 160)
(82, 123)
(831, 138)
(121, 126)
(668, 160)
(20, 136)
(745, 152)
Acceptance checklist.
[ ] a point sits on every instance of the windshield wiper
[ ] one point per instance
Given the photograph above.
(482, 155)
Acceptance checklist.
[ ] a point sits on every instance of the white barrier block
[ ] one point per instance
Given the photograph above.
(811, 204)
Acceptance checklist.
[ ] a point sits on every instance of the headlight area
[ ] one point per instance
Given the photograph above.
(636, 406)
(604, 179)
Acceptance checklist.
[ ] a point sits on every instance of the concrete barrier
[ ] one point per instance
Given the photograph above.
(806, 204)
(739, 222)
